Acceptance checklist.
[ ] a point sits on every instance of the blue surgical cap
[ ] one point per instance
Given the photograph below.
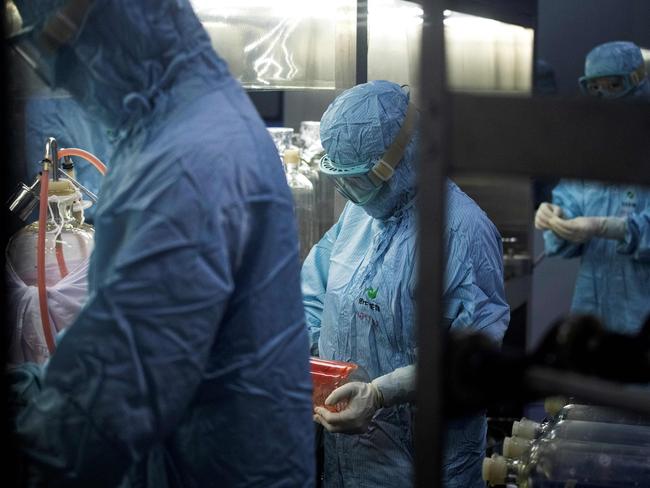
(361, 123)
(613, 58)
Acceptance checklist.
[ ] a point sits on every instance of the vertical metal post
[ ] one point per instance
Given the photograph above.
(362, 42)
(432, 171)
(351, 44)
(10, 464)
(52, 154)
(533, 78)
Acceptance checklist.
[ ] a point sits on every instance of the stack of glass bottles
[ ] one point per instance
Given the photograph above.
(303, 199)
(581, 446)
(312, 152)
(313, 223)
(562, 463)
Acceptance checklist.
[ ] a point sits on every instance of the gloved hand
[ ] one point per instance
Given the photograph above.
(363, 400)
(582, 229)
(545, 213)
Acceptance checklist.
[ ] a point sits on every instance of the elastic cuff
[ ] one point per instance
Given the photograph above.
(614, 228)
(397, 387)
(630, 242)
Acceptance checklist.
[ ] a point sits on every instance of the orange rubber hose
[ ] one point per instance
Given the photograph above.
(91, 158)
(60, 259)
(42, 290)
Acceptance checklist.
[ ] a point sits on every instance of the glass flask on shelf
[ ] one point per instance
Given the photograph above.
(328, 375)
(303, 198)
(561, 463)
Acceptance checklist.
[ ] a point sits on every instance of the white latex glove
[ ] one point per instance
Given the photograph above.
(545, 213)
(397, 387)
(363, 400)
(583, 229)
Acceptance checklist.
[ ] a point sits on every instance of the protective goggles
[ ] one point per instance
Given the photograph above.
(39, 46)
(362, 186)
(613, 86)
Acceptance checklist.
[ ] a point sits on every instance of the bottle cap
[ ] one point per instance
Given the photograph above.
(524, 429)
(61, 188)
(553, 405)
(495, 470)
(515, 447)
(291, 156)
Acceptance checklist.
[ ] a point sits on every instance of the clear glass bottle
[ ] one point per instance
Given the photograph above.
(68, 245)
(312, 153)
(310, 172)
(558, 463)
(580, 430)
(516, 448)
(68, 240)
(314, 176)
(606, 415)
(304, 200)
(310, 138)
(281, 138)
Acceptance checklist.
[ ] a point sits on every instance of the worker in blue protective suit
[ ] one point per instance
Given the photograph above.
(190, 358)
(615, 70)
(607, 226)
(359, 284)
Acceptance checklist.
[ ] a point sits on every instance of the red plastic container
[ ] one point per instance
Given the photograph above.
(328, 375)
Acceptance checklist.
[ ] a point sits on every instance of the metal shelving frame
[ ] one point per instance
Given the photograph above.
(507, 136)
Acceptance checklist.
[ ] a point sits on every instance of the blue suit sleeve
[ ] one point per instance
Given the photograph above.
(569, 196)
(637, 237)
(128, 368)
(315, 271)
(474, 294)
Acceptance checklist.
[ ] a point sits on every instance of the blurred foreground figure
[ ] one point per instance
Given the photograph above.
(190, 359)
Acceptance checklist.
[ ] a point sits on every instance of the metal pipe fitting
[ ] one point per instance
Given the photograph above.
(52, 156)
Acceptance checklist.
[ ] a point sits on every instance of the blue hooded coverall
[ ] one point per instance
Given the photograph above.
(190, 360)
(359, 284)
(614, 277)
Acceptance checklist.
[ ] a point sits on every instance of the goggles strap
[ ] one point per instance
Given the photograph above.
(638, 75)
(63, 26)
(383, 170)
